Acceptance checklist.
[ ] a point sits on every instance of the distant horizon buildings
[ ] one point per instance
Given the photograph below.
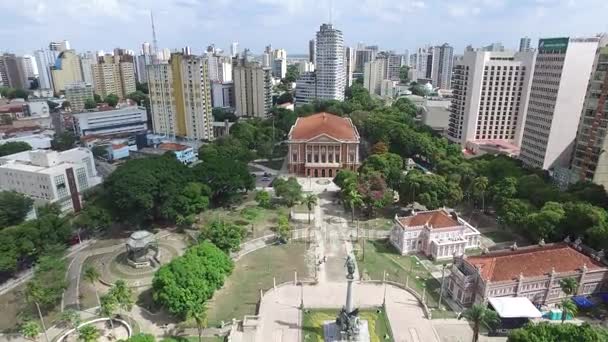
(561, 75)
(524, 44)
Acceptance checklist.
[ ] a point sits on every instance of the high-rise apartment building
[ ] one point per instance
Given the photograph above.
(490, 96)
(12, 72)
(222, 94)
(330, 71)
(87, 63)
(66, 70)
(441, 71)
(29, 66)
(312, 51)
(362, 56)
(589, 161)
(561, 75)
(180, 97)
(77, 93)
(252, 89)
(349, 64)
(305, 67)
(494, 47)
(114, 75)
(424, 63)
(373, 75)
(524, 44)
(234, 49)
(146, 49)
(279, 68)
(141, 63)
(306, 88)
(44, 69)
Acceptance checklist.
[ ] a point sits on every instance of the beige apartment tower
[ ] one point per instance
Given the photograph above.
(112, 75)
(180, 97)
(67, 70)
(252, 90)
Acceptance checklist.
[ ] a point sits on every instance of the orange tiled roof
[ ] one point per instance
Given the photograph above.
(532, 262)
(323, 123)
(435, 219)
(172, 147)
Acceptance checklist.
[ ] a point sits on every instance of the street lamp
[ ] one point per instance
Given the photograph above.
(442, 280)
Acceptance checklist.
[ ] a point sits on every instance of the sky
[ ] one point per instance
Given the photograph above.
(90, 25)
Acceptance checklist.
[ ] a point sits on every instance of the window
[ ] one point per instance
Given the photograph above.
(62, 189)
(81, 175)
(294, 157)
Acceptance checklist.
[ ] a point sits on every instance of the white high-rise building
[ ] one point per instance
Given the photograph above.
(330, 70)
(29, 66)
(252, 89)
(524, 44)
(441, 72)
(87, 64)
(225, 69)
(234, 49)
(279, 53)
(349, 64)
(306, 88)
(491, 92)
(561, 75)
(279, 68)
(424, 62)
(305, 67)
(146, 49)
(373, 75)
(212, 65)
(44, 71)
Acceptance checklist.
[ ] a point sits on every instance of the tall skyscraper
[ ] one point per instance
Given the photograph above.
(66, 70)
(12, 72)
(561, 76)
(362, 56)
(373, 75)
(524, 44)
(44, 71)
(114, 75)
(330, 71)
(424, 63)
(29, 66)
(491, 92)
(87, 63)
(252, 89)
(234, 49)
(306, 88)
(312, 51)
(441, 74)
(180, 97)
(279, 63)
(589, 161)
(393, 65)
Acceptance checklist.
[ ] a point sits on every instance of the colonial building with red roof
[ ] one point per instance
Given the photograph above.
(322, 144)
(533, 272)
(439, 234)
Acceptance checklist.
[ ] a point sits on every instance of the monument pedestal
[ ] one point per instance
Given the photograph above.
(332, 333)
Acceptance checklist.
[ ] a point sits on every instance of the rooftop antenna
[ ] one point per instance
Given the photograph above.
(154, 41)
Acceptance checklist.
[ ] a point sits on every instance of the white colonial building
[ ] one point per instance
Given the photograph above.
(439, 234)
(50, 176)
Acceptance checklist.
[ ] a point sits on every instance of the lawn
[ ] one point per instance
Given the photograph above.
(313, 320)
(255, 220)
(499, 236)
(15, 309)
(380, 223)
(380, 256)
(253, 272)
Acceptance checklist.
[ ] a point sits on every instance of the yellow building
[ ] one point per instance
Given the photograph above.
(113, 76)
(66, 70)
(180, 97)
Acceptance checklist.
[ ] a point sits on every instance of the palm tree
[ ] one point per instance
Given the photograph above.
(353, 197)
(568, 285)
(479, 314)
(199, 314)
(92, 275)
(480, 184)
(311, 201)
(108, 307)
(568, 308)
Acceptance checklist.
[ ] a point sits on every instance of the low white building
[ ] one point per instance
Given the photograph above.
(50, 176)
(36, 141)
(131, 119)
(439, 234)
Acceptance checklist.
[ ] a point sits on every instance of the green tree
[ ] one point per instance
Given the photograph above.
(480, 185)
(568, 285)
(88, 333)
(13, 147)
(545, 223)
(71, 318)
(138, 96)
(225, 176)
(480, 315)
(63, 141)
(199, 314)
(403, 74)
(225, 235)
(187, 282)
(48, 284)
(108, 307)
(513, 212)
(568, 309)
(92, 276)
(388, 164)
(263, 198)
(13, 208)
(549, 332)
(283, 228)
(285, 98)
(141, 337)
(344, 177)
(30, 330)
(374, 192)
(143, 87)
(111, 100)
(354, 200)
(90, 103)
(310, 200)
(289, 190)
(97, 98)
(292, 73)
(91, 218)
(121, 295)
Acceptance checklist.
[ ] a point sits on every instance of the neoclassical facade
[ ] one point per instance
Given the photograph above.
(439, 234)
(322, 144)
(533, 272)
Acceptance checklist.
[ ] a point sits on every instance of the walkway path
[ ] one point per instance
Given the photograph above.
(281, 316)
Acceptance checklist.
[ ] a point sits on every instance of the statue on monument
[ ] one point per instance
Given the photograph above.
(350, 267)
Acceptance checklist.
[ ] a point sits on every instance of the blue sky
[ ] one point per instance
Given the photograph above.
(393, 24)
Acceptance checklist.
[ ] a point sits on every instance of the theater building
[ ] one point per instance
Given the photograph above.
(322, 144)
(533, 272)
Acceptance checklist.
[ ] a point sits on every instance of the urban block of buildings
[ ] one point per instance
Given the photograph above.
(322, 144)
(50, 176)
(105, 122)
(533, 272)
(438, 234)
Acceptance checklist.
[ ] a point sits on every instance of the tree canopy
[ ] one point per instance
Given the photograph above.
(548, 332)
(13, 147)
(13, 208)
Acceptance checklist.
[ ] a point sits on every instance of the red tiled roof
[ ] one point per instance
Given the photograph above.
(532, 262)
(117, 146)
(323, 123)
(172, 147)
(435, 219)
